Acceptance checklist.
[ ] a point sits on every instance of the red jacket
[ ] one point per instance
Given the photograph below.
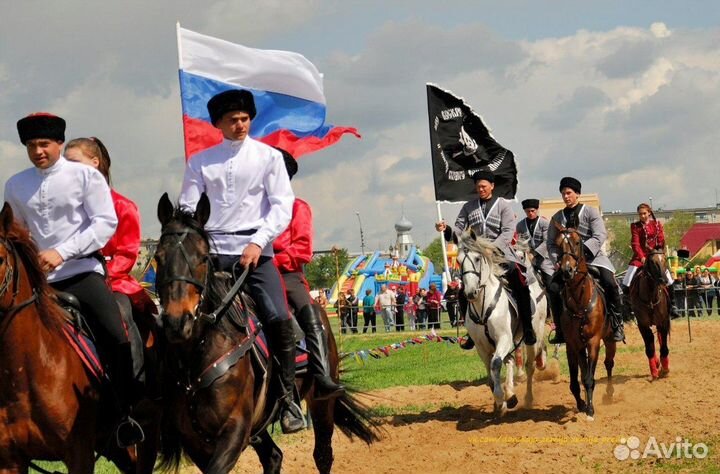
(433, 299)
(121, 251)
(293, 248)
(645, 238)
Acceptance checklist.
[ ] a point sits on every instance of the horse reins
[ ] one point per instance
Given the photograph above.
(13, 276)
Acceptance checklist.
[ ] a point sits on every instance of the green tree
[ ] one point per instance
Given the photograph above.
(678, 224)
(434, 253)
(619, 249)
(321, 271)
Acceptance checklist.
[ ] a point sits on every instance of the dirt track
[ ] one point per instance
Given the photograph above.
(454, 429)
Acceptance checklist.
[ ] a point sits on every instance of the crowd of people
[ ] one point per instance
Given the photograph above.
(696, 290)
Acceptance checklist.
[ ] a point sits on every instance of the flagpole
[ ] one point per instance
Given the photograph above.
(180, 67)
(446, 267)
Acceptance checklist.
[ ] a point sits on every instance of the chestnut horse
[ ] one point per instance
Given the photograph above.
(650, 300)
(219, 398)
(50, 408)
(583, 320)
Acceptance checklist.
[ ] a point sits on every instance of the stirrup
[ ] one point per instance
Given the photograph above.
(128, 433)
(291, 417)
(556, 338)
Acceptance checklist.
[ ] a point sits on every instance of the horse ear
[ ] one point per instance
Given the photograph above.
(202, 212)
(6, 218)
(165, 209)
(558, 226)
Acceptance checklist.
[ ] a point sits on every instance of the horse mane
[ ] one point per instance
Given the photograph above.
(486, 248)
(27, 250)
(187, 218)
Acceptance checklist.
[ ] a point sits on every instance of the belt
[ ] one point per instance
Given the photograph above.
(237, 232)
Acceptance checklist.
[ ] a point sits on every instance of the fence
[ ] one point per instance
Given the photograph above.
(697, 301)
(398, 318)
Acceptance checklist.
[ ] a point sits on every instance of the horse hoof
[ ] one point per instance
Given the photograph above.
(512, 402)
(500, 410)
(590, 418)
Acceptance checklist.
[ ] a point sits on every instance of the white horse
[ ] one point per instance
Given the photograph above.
(494, 324)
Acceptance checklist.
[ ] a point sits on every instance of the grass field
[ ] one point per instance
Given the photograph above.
(430, 363)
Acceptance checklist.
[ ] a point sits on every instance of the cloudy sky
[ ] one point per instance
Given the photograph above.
(622, 95)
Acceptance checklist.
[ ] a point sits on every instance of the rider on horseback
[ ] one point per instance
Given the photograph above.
(492, 217)
(69, 211)
(589, 225)
(251, 204)
(646, 235)
(533, 229)
(293, 250)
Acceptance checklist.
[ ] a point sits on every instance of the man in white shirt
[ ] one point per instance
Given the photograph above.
(70, 214)
(250, 205)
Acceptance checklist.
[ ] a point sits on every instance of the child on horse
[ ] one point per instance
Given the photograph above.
(293, 250)
(647, 234)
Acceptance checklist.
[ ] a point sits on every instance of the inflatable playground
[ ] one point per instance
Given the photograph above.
(370, 272)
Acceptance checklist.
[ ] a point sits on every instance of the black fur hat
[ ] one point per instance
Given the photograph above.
(41, 125)
(229, 101)
(290, 162)
(572, 183)
(483, 174)
(531, 204)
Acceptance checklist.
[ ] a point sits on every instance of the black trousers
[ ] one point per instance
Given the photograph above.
(265, 286)
(99, 307)
(370, 320)
(400, 319)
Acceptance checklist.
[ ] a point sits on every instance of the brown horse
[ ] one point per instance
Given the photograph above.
(50, 408)
(650, 300)
(219, 396)
(583, 320)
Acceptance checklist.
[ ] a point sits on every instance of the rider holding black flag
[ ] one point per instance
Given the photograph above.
(492, 218)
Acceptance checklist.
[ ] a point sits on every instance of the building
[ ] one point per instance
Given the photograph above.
(548, 207)
(703, 215)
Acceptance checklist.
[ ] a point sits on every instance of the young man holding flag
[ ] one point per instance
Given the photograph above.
(251, 205)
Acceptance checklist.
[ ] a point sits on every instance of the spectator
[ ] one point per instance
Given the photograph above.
(706, 292)
(400, 298)
(353, 313)
(385, 301)
(369, 311)
(421, 308)
(434, 300)
(452, 296)
(410, 311)
(343, 311)
(693, 302)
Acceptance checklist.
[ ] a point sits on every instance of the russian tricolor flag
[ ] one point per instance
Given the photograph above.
(288, 92)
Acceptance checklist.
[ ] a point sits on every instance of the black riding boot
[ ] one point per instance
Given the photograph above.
(617, 323)
(468, 343)
(557, 308)
(128, 431)
(282, 337)
(524, 308)
(316, 338)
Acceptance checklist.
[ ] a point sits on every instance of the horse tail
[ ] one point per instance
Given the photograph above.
(353, 418)
(171, 451)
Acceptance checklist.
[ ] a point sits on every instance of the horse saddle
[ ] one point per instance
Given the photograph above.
(261, 344)
(78, 335)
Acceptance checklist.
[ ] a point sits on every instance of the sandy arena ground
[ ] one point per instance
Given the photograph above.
(454, 429)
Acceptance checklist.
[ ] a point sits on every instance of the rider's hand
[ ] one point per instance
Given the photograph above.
(250, 255)
(440, 226)
(642, 260)
(49, 260)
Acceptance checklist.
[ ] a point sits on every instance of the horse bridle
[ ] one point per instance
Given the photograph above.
(658, 276)
(13, 276)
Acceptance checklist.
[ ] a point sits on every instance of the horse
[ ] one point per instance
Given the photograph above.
(50, 407)
(494, 324)
(219, 400)
(583, 320)
(650, 302)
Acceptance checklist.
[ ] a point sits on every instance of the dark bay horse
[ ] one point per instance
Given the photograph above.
(217, 392)
(583, 320)
(650, 300)
(50, 408)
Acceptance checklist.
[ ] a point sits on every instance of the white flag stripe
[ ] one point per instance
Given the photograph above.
(283, 72)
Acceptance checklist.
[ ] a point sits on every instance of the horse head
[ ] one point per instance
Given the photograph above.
(656, 266)
(183, 266)
(569, 242)
(6, 253)
(478, 258)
